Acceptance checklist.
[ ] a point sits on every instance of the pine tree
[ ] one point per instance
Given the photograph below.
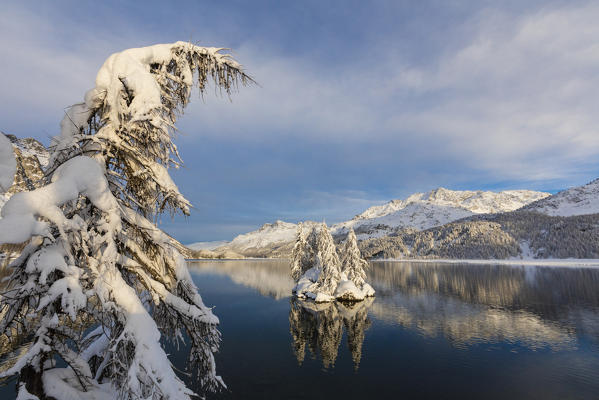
(310, 258)
(301, 256)
(99, 284)
(328, 260)
(352, 263)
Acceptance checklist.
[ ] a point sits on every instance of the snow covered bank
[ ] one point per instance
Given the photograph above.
(550, 262)
(346, 290)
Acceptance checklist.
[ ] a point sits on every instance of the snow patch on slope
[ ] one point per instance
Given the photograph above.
(278, 231)
(207, 245)
(579, 200)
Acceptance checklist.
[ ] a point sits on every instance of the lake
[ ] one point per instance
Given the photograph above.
(433, 331)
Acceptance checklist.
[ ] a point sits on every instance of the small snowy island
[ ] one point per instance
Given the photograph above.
(321, 274)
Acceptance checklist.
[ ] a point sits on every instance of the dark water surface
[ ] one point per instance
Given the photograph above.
(438, 331)
(433, 331)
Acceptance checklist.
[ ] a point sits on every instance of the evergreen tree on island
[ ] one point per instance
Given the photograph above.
(302, 254)
(327, 261)
(325, 277)
(352, 263)
(98, 284)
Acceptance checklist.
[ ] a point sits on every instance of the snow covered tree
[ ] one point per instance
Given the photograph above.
(302, 255)
(312, 240)
(328, 261)
(297, 254)
(352, 263)
(98, 284)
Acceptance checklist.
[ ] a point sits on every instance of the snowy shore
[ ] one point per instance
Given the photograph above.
(548, 262)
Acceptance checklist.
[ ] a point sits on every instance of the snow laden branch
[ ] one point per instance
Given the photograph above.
(98, 284)
(127, 120)
(321, 275)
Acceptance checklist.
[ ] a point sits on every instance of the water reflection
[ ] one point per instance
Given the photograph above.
(319, 327)
(270, 277)
(533, 307)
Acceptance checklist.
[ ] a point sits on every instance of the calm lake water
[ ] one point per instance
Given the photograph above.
(433, 331)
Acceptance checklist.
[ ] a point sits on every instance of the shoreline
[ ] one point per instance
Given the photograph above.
(550, 262)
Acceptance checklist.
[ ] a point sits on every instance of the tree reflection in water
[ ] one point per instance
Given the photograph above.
(529, 306)
(319, 326)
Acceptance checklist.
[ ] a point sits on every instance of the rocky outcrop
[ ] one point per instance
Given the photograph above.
(31, 158)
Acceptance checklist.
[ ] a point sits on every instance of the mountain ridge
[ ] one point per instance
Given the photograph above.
(419, 211)
(573, 201)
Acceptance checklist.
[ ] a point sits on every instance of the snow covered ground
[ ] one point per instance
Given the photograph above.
(345, 290)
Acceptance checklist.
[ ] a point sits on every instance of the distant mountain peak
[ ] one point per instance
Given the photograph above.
(476, 202)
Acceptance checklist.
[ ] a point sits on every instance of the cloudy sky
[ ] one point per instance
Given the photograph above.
(358, 102)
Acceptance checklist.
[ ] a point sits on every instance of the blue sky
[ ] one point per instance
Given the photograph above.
(358, 103)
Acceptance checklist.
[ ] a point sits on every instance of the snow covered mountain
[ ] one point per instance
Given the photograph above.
(271, 240)
(435, 208)
(278, 232)
(207, 245)
(579, 200)
(419, 211)
(478, 202)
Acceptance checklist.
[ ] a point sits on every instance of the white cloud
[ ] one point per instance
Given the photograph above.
(48, 63)
(518, 99)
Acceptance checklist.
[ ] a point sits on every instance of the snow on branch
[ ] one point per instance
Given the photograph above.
(95, 261)
(128, 118)
(79, 175)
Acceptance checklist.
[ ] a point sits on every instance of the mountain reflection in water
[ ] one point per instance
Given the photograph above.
(534, 307)
(270, 277)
